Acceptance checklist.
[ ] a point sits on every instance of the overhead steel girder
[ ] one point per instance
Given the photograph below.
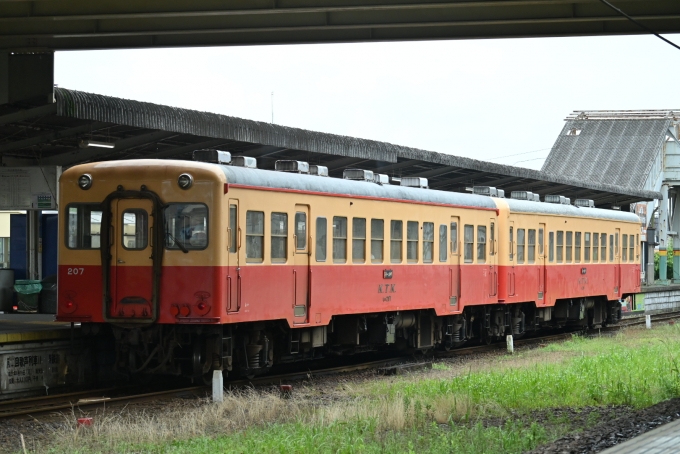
(69, 24)
(28, 114)
(79, 155)
(52, 135)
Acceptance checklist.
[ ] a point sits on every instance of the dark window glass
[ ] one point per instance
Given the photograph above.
(631, 250)
(321, 235)
(412, 241)
(279, 239)
(254, 236)
(396, 238)
(512, 243)
(443, 243)
(551, 246)
(624, 243)
(300, 230)
(339, 239)
(83, 226)
(377, 240)
(586, 247)
(560, 246)
(358, 240)
(492, 238)
(186, 224)
(428, 242)
(135, 229)
(611, 248)
(469, 242)
(596, 247)
(233, 228)
(540, 241)
(481, 244)
(570, 239)
(577, 247)
(454, 238)
(531, 251)
(603, 247)
(520, 245)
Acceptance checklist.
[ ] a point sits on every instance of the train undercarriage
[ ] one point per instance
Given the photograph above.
(251, 349)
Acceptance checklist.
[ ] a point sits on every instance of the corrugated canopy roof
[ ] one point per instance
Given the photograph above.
(617, 147)
(51, 134)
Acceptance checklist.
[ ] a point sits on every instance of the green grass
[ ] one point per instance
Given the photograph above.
(448, 409)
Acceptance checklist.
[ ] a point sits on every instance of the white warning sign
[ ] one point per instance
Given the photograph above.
(29, 370)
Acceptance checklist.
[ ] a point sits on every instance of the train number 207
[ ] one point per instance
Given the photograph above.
(75, 271)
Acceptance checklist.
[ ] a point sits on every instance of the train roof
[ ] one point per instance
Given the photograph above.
(555, 209)
(329, 185)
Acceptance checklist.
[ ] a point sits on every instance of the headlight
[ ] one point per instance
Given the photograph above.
(85, 181)
(185, 181)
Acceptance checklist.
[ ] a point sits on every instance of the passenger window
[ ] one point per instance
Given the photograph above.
(577, 247)
(443, 243)
(586, 247)
(396, 238)
(136, 226)
(454, 238)
(300, 230)
(603, 247)
(279, 236)
(492, 237)
(339, 239)
(531, 256)
(186, 226)
(551, 246)
(377, 240)
(560, 246)
(254, 236)
(617, 251)
(540, 242)
(611, 248)
(624, 243)
(570, 239)
(83, 226)
(359, 240)
(631, 250)
(469, 241)
(520, 245)
(481, 244)
(321, 236)
(511, 243)
(596, 247)
(428, 242)
(637, 246)
(233, 228)
(412, 241)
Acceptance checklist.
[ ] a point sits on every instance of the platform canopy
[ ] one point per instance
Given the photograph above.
(83, 127)
(118, 24)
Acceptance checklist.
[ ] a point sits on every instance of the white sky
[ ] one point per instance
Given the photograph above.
(484, 99)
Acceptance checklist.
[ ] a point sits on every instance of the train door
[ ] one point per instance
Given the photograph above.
(301, 270)
(234, 270)
(131, 271)
(541, 263)
(617, 262)
(454, 266)
(493, 270)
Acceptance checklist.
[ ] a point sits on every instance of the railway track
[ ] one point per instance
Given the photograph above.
(114, 396)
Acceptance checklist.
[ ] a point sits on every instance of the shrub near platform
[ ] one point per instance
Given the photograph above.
(490, 405)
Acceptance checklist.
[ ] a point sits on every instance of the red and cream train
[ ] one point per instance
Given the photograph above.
(194, 266)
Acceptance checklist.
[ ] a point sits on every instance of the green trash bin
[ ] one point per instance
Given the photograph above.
(28, 293)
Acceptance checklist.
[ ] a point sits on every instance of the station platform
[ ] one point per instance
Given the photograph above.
(662, 440)
(32, 327)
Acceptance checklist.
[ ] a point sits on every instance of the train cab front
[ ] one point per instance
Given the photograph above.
(138, 266)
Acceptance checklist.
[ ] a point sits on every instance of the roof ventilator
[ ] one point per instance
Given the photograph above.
(523, 195)
(212, 156)
(291, 166)
(321, 171)
(357, 174)
(486, 190)
(585, 203)
(501, 193)
(553, 198)
(414, 182)
(381, 178)
(244, 161)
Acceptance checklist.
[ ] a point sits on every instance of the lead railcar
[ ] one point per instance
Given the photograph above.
(181, 267)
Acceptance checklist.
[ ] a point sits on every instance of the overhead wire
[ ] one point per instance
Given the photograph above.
(639, 24)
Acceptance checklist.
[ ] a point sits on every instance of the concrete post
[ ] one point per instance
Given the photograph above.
(510, 343)
(217, 386)
(649, 270)
(663, 233)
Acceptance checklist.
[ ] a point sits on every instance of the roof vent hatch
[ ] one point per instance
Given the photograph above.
(212, 156)
(553, 198)
(291, 166)
(381, 178)
(489, 191)
(244, 161)
(585, 203)
(357, 174)
(321, 171)
(414, 182)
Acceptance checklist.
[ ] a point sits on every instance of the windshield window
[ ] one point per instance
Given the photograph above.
(186, 226)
